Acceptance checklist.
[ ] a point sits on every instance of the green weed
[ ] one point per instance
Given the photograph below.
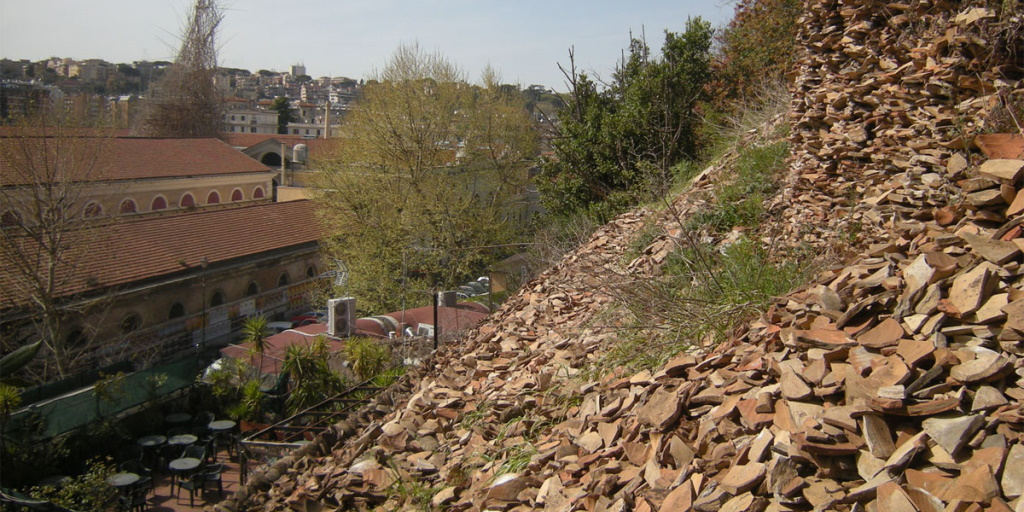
(702, 294)
(739, 201)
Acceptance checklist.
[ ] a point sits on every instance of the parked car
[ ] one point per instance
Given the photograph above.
(279, 327)
(309, 317)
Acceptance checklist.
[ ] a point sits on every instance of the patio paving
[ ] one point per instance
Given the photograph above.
(162, 500)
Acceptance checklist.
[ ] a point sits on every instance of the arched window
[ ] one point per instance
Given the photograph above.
(159, 203)
(128, 206)
(213, 198)
(282, 280)
(236, 195)
(252, 289)
(258, 193)
(130, 323)
(311, 272)
(177, 311)
(187, 201)
(216, 299)
(9, 218)
(93, 209)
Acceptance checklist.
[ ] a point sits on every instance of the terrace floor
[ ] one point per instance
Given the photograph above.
(163, 500)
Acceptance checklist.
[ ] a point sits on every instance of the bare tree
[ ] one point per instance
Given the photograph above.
(185, 101)
(48, 162)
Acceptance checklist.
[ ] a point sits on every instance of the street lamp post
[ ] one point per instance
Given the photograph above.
(203, 263)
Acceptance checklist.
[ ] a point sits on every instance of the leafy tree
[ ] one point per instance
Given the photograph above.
(312, 378)
(284, 113)
(428, 173)
(47, 161)
(367, 356)
(758, 46)
(88, 491)
(618, 145)
(256, 330)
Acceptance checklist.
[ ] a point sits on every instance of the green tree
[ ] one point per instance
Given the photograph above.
(312, 378)
(758, 46)
(429, 171)
(618, 145)
(368, 356)
(284, 113)
(256, 330)
(47, 164)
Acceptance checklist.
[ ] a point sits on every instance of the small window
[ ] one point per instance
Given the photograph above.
(258, 193)
(252, 289)
(243, 118)
(213, 198)
(252, 130)
(282, 280)
(187, 201)
(159, 203)
(128, 206)
(236, 195)
(177, 311)
(93, 209)
(131, 323)
(295, 131)
(311, 272)
(217, 299)
(232, 117)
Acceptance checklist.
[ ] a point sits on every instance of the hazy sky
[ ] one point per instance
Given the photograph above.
(523, 39)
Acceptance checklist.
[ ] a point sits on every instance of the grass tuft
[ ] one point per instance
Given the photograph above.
(700, 296)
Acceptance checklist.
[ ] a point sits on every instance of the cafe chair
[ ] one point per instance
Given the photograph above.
(194, 483)
(213, 474)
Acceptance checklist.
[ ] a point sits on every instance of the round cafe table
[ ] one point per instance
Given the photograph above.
(182, 439)
(123, 479)
(221, 425)
(177, 418)
(182, 466)
(152, 440)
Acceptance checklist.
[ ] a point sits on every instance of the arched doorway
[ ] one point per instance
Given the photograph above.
(272, 160)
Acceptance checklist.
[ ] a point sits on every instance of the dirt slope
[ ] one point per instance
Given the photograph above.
(889, 383)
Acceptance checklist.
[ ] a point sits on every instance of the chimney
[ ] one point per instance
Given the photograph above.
(327, 118)
(284, 167)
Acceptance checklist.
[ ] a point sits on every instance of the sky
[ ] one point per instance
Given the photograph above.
(524, 40)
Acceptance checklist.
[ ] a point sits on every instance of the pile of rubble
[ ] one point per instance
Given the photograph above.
(892, 383)
(885, 94)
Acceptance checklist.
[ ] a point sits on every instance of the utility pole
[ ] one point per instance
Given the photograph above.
(203, 263)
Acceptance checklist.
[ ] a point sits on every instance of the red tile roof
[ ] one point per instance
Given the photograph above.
(459, 318)
(128, 158)
(277, 345)
(132, 251)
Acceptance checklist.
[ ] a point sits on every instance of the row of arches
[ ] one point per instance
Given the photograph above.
(133, 321)
(187, 200)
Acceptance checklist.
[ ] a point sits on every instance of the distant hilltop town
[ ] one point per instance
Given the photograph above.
(248, 95)
(100, 77)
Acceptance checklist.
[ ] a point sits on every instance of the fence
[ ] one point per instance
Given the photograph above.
(70, 411)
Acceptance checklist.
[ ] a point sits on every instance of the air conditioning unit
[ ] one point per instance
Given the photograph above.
(341, 316)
